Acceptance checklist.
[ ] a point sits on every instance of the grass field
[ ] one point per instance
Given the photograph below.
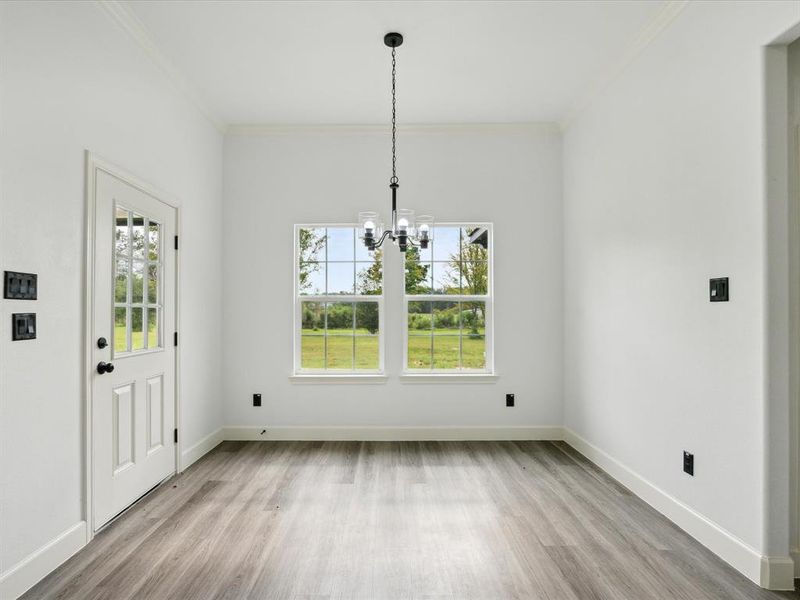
(341, 345)
(137, 341)
(441, 351)
(427, 350)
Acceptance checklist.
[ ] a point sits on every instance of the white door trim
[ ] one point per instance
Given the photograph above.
(94, 164)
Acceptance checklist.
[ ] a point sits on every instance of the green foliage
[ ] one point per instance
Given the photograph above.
(419, 321)
(311, 242)
(417, 281)
(313, 316)
(340, 315)
(370, 282)
(367, 316)
(469, 269)
(446, 319)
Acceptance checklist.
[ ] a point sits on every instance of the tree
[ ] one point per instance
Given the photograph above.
(311, 242)
(370, 283)
(417, 281)
(469, 271)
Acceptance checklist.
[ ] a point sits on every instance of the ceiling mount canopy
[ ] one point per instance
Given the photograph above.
(393, 39)
(404, 230)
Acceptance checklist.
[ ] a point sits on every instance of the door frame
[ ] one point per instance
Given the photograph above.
(95, 164)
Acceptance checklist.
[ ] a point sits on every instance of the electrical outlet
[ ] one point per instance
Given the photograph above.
(509, 399)
(256, 399)
(688, 463)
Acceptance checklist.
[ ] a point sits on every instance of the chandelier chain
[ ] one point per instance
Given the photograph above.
(394, 120)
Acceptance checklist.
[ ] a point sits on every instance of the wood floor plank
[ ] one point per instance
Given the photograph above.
(394, 520)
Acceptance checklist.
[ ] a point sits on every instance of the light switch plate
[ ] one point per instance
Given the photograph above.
(20, 286)
(719, 289)
(23, 326)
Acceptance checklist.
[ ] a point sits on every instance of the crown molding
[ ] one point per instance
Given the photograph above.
(646, 35)
(265, 129)
(121, 14)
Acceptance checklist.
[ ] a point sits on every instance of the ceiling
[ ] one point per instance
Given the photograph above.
(325, 62)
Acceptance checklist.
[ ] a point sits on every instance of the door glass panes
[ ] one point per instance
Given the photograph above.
(120, 329)
(137, 282)
(122, 232)
(137, 328)
(138, 238)
(153, 328)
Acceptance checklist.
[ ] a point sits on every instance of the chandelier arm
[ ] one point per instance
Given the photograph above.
(379, 243)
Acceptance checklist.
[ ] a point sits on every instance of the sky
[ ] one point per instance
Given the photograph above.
(344, 247)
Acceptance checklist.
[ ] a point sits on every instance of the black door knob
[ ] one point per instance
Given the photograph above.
(102, 343)
(104, 367)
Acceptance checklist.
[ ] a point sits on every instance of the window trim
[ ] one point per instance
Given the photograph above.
(467, 374)
(300, 374)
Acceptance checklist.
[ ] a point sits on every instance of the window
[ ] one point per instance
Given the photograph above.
(338, 302)
(448, 302)
(137, 277)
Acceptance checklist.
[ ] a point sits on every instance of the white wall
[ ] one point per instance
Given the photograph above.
(510, 177)
(72, 80)
(793, 59)
(664, 188)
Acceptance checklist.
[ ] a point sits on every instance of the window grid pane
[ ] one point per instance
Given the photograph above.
(443, 331)
(339, 335)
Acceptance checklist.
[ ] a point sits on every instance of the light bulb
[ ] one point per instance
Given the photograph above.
(369, 226)
(424, 228)
(402, 224)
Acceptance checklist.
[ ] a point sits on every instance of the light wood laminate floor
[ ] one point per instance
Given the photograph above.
(386, 520)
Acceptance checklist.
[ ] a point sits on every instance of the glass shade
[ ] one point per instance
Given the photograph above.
(405, 220)
(369, 225)
(424, 228)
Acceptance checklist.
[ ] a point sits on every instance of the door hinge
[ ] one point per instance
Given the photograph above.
(176, 435)
(176, 242)
(175, 340)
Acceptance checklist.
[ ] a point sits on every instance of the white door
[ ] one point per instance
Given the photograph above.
(133, 374)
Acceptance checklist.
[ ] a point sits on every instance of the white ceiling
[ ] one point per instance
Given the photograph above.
(325, 62)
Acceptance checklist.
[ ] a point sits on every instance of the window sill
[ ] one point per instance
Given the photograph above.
(348, 378)
(449, 378)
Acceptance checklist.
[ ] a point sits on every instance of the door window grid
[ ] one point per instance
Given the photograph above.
(337, 274)
(137, 282)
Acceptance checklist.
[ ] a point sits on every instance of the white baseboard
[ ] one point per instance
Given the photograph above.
(795, 554)
(378, 433)
(35, 567)
(777, 573)
(201, 448)
(728, 547)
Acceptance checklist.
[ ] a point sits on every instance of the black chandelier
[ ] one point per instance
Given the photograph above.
(404, 230)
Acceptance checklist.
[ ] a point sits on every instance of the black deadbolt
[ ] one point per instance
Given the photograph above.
(102, 343)
(104, 367)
